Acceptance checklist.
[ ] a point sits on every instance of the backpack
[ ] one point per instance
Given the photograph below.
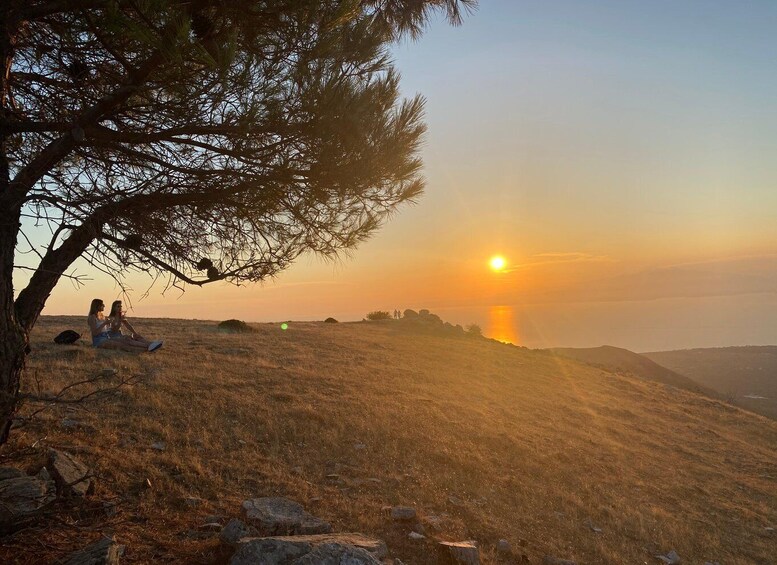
(67, 337)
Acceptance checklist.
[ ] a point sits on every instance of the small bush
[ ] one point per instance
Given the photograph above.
(474, 329)
(237, 326)
(330, 321)
(378, 315)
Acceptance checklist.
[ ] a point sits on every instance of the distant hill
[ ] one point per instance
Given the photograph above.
(745, 375)
(618, 360)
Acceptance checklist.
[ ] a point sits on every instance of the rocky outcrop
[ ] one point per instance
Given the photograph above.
(351, 548)
(276, 516)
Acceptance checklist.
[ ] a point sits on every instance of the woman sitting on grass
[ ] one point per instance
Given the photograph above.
(118, 319)
(99, 326)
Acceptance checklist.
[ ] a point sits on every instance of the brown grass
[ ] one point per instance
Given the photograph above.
(504, 442)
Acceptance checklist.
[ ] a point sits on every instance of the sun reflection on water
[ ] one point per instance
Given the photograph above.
(501, 324)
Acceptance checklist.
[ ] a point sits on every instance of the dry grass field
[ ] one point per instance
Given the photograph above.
(501, 441)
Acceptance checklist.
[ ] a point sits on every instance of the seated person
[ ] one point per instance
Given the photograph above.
(99, 327)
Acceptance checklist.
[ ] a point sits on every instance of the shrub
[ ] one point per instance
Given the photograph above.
(235, 326)
(330, 321)
(379, 315)
(474, 329)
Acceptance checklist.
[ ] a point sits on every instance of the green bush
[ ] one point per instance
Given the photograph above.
(378, 315)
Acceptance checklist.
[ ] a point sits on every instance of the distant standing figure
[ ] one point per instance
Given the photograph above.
(99, 327)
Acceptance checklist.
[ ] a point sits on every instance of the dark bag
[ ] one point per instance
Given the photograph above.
(67, 337)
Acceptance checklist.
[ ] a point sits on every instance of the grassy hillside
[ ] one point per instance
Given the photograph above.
(746, 375)
(616, 359)
(503, 442)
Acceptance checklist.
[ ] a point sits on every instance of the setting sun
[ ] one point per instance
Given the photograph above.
(497, 263)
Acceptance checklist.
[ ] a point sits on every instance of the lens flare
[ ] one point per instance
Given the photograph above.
(284, 326)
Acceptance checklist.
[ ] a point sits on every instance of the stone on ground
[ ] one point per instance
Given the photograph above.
(235, 530)
(336, 554)
(103, 552)
(671, 558)
(10, 473)
(276, 516)
(22, 497)
(350, 549)
(403, 513)
(464, 552)
(71, 476)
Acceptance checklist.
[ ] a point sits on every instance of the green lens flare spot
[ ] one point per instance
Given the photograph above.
(284, 326)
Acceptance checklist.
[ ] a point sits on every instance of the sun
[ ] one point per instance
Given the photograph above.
(497, 263)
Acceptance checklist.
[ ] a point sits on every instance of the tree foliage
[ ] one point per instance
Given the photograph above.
(204, 140)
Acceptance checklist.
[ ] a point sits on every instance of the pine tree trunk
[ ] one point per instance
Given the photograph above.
(13, 342)
(13, 338)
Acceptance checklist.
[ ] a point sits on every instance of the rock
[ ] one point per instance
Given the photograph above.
(10, 473)
(274, 516)
(671, 558)
(213, 519)
(418, 528)
(403, 513)
(336, 554)
(22, 497)
(210, 527)
(334, 549)
(70, 475)
(103, 552)
(434, 522)
(359, 446)
(268, 551)
(159, 446)
(109, 373)
(235, 530)
(465, 552)
(549, 560)
(503, 547)
(415, 536)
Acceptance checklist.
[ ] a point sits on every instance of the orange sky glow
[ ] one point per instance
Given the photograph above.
(620, 162)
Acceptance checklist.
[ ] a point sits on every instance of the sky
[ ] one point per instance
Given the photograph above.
(618, 154)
